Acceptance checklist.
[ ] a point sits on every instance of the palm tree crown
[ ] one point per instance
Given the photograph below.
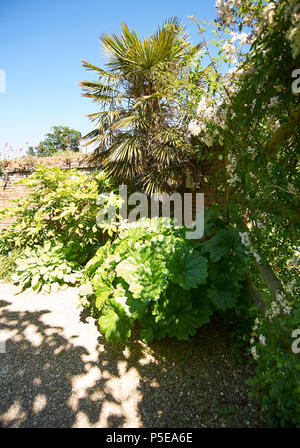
(138, 135)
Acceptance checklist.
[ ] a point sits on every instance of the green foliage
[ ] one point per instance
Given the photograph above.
(227, 263)
(115, 324)
(171, 285)
(45, 269)
(62, 138)
(61, 205)
(8, 264)
(276, 384)
(138, 132)
(7, 241)
(248, 117)
(251, 121)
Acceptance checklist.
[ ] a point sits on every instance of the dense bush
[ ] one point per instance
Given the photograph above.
(62, 205)
(7, 243)
(276, 384)
(171, 285)
(247, 114)
(8, 264)
(45, 269)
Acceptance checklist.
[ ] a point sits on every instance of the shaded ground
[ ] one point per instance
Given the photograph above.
(58, 371)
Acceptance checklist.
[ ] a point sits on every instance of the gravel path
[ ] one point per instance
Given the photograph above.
(58, 371)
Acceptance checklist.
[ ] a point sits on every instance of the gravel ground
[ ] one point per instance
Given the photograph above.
(58, 371)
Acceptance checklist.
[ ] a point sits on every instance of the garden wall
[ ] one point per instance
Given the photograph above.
(12, 171)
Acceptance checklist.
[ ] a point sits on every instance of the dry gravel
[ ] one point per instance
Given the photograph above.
(58, 371)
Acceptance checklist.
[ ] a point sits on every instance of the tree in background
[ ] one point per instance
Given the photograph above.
(138, 130)
(61, 138)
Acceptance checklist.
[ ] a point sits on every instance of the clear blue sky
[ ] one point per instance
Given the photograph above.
(42, 43)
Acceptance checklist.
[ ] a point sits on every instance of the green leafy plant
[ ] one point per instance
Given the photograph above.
(62, 204)
(171, 285)
(45, 269)
(248, 117)
(138, 132)
(7, 242)
(8, 264)
(276, 384)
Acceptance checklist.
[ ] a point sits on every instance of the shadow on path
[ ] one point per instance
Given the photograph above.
(47, 380)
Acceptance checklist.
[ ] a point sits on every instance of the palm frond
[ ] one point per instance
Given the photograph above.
(138, 136)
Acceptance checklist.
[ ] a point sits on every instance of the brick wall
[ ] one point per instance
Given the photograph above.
(9, 192)
(11, 173)
(206, 182)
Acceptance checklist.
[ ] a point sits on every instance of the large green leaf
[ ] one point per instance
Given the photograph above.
(190, 270)
(145, 274)
(221, 245)
(115, 325)
(102, 293)
(176, 314)
(222, 299)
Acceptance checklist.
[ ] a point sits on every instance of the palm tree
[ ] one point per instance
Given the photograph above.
(138, 136)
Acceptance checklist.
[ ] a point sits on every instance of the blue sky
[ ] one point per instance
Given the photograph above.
(42, 43)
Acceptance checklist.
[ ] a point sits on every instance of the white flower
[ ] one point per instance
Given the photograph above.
(274, 310)
(212, 116)
(117, 258)
(273, 101)
(293, 35)
(280, 305)
(194, 127)
(280, 296)
(230, 52)
(225, 11)
(203, 105)
(287, 309)
(233, 180)
(245, 238)
(256, 256)
(242, 38)
(234, 37)
(262, 339)
(209, 113)
(268, 13)
(84, 301)
(253, 351)
(290, 287)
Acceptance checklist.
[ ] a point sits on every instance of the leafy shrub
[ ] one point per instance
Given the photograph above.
(276, 384)
(7, 241)
(45, 269)
(63, 204)
(8, 264)
(171, 285)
